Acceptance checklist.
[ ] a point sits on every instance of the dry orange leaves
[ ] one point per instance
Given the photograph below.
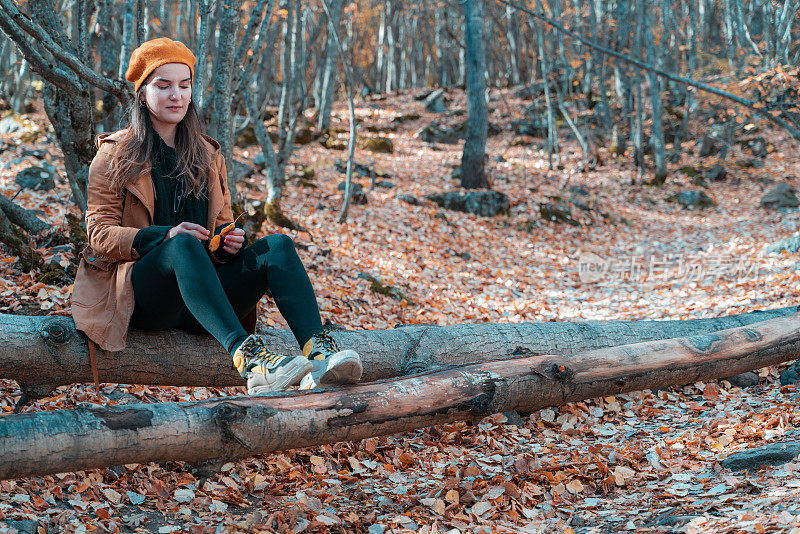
(215, 242)
(619, 463)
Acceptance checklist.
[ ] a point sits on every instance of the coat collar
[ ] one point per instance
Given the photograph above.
(211, 143)
(142, 186)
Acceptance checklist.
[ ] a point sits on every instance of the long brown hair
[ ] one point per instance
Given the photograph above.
(134, 152)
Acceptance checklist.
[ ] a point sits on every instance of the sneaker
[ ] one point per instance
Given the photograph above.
(265, 371)
(330, 366)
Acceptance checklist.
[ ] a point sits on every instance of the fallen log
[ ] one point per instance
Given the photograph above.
(44, 352)
(17, 243)
(240, 427)
(24, 218)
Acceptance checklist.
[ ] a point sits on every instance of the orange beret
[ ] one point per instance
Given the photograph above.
(152, 54)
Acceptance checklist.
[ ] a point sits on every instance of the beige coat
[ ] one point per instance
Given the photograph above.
(102, 296)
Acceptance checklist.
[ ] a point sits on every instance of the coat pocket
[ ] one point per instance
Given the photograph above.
(97, 261)
(93, 279)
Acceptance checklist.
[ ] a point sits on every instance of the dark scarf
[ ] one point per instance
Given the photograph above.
(174, 204)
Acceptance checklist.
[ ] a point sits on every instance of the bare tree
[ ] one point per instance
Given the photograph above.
(473, 171)
(328, 82)
(221, 98)
(552, 136)
(44, 42)
(657, 135)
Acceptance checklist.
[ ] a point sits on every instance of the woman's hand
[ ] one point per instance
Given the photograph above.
(200, 232)
(233, 241)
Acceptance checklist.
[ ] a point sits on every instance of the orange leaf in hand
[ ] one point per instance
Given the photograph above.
(216, 241)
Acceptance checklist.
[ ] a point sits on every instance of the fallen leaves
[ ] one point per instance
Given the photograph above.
(622, 474)
(616, 462)
(481, 508)
(575, 486)
(112, 495)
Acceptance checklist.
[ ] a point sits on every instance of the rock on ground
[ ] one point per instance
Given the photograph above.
(692, 199)
(790, 245)
(780, 196)
(435, 102)
(485, 203)
(36, 178)
(357, 194)
(743, 380)
(775, 454)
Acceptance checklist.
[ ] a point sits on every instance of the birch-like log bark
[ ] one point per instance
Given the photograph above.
(42, 353)
(232, 428)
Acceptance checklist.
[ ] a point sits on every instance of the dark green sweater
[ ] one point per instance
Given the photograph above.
(169, 194)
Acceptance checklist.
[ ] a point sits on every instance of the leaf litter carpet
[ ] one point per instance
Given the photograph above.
(642, 462)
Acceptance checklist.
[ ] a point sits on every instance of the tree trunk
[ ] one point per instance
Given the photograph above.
(273, 183)
(512, 34)
(692, 39)
(222, 97)
(291, 74)
(701, 15)
(440, 20)
(127, 38)
(657, 134)
(742, 27)
(299, 90)
(415, 54)
(622, 82)
(110, 59)
(638, 118)
(402, 65)
(380, 60)
(461, 77)
(232, 428)
(141, 22)
(199, 91)
(42, 353)
(70, 113)
(391, 48)
(329, 72)
(20, 88)
(552, 131)
(286, 63)
(7, 58)
(248, 91)
(565, 66)
(784, 35)
(473, 171)
(162, 16)
(731, 36)
(333, 31)
(259, 61)
(278, 156)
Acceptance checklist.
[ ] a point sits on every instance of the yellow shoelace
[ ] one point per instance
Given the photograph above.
(325, 341)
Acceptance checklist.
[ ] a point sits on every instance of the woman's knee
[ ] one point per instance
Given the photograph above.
(276, 244)
(184, 247)
(282, 247)
(184, 242)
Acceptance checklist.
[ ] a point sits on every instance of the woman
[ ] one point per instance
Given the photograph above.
(157, 193)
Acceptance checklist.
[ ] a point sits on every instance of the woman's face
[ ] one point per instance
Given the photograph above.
(167, 93)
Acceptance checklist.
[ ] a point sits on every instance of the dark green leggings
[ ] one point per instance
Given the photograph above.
(176, 285)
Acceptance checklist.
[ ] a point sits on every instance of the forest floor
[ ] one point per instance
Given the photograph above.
(642, 462)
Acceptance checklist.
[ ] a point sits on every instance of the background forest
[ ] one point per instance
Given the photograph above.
(441, 163)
